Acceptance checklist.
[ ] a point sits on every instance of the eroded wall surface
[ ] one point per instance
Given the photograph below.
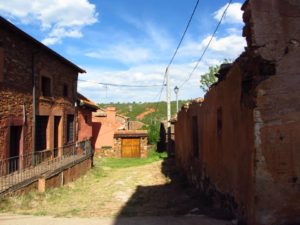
(248, 151)
(275, 37)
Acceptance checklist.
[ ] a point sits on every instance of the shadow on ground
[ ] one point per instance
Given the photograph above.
(176, 198)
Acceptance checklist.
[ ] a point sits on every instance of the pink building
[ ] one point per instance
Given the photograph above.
(105, 124)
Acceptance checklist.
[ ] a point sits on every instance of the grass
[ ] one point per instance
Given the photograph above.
(125, 163)
(82, 197)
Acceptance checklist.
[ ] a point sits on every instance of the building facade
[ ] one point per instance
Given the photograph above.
(37, 96)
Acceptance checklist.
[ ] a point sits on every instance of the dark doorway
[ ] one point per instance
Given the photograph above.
(14, 147)
(56, 134)
(41, 133)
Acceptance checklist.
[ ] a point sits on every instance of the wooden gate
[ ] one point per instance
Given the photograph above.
(131, 148)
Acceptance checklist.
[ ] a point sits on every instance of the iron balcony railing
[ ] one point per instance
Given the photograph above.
(19, 169)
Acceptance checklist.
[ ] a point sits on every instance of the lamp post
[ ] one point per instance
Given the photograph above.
(176, 90)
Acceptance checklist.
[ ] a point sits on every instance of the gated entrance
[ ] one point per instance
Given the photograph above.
(131, 148)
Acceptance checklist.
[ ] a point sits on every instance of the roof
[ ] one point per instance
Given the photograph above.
(84, 101)
(20, 33)
(131, 133)
(100, 113)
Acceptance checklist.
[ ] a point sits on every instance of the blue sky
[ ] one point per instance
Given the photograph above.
(132, 41)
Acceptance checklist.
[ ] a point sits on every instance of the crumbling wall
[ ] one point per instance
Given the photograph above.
(249, 122)
(273, 35)
(223, 168)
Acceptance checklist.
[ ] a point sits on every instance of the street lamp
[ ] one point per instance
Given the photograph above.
(176, 90)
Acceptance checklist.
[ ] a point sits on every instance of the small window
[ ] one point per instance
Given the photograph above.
(195, 139)
(86, 119)
(70, 128)
(65, 90)
(219, 123)
(46, 86)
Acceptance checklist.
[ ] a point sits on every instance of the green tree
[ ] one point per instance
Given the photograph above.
(209, 78)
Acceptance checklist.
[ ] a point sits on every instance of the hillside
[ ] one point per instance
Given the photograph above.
(150, 113)
(134, 110)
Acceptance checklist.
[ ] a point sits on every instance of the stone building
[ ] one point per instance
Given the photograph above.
(112, 133)
(240, 145)
(37, 95)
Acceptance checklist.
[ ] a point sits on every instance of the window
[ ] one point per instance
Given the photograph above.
(195, 140)
(41, 133)
(70, 128)
(65, 90)
(46, 86)
(219, 123)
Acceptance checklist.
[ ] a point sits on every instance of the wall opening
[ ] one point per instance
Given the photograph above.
(41, 133)
(65, 90)
(57, 120)
(14, 147)
(195, 137)
(219, 123)
(70, 128)
(46, 86)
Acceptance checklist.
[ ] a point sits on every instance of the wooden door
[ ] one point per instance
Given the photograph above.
(131, 148)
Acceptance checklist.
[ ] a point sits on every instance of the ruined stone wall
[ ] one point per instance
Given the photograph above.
(273, 34)
(249, 123)
(222, 165)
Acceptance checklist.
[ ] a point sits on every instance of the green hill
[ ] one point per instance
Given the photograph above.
(151, 120)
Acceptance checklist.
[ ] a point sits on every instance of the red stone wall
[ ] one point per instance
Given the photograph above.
(275, 36)
(15, 90)
(225, 158)
(19, 58)
(249, 123)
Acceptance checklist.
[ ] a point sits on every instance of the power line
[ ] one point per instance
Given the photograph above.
(120, 85)
(183, 35)
(207, 46)
(177, 48)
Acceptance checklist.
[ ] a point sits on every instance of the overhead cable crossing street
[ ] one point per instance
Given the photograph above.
(120, 85)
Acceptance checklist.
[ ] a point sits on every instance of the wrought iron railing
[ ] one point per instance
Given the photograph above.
(16, 170)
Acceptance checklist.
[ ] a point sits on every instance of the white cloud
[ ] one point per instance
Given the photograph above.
(57, 18)
(233, 15)
(127, 54)
(230, 46)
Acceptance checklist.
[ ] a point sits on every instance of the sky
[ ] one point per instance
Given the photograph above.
(131, 42)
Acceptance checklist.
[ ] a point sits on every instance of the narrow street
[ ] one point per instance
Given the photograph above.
(148, 194)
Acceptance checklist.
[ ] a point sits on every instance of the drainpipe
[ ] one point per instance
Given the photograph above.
(33, 106)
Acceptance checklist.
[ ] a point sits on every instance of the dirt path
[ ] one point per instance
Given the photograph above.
(142, 115)
(166, 220)
(153, 192)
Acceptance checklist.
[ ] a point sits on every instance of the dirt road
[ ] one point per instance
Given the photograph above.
(148, 194)
(46, 220)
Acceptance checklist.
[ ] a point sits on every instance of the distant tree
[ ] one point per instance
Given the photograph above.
(209, 78)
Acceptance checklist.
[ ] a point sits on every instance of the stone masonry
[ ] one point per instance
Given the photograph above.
(240, 145)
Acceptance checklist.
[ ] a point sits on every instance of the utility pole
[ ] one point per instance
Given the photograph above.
(176, 90)
(168, 112)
